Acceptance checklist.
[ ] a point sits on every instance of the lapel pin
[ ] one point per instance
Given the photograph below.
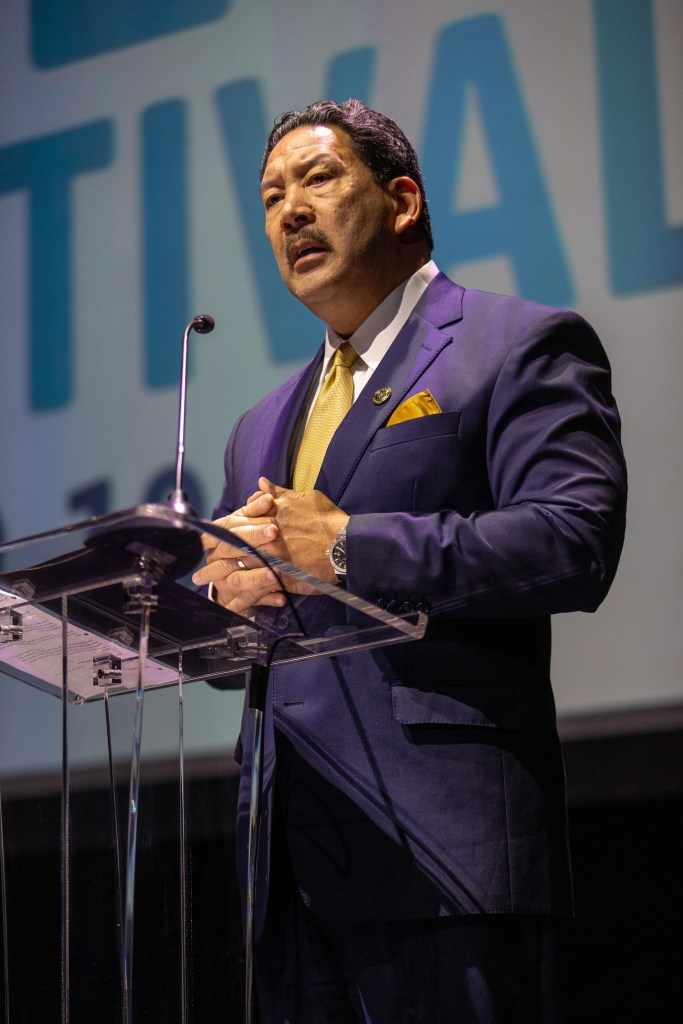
(381, 396)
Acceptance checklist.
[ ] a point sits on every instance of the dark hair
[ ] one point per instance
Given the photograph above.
(377, 140)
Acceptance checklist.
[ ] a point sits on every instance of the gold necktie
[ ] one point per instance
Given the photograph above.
(331, 406)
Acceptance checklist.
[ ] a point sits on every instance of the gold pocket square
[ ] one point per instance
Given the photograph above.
(422, 404)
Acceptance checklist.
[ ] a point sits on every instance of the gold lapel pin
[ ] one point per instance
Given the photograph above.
(381, 396)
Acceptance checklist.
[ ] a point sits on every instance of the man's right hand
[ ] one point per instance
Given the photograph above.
(238, 589)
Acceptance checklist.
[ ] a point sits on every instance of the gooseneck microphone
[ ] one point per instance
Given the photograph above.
(202, 324)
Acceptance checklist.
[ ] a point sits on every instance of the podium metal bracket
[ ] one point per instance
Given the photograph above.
(106, 670)
(11, 625)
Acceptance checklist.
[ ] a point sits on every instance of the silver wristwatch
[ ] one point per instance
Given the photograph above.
(338, 553)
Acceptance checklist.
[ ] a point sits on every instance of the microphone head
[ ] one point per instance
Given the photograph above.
(203, 323)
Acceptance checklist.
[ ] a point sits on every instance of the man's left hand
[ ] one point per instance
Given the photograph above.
(308, 524)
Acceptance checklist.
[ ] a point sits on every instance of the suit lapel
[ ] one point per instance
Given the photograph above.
(418, 343)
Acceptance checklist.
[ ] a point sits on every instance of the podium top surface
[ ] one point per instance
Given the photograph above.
(80, 605)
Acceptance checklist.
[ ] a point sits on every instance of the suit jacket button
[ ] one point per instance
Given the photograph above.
(407, 607)
(394, 606)
(381, 601)
(423, 606)
(282, 621)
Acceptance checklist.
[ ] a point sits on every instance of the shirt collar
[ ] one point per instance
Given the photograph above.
(374, 336)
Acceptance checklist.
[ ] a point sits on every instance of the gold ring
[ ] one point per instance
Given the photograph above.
(240, 564)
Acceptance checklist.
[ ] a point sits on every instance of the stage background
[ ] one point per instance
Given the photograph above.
(130, 137)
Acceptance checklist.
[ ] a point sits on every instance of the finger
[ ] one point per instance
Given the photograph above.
(256, 533)
(231, 523)
(232, 560)
(243, 604)
(247, 601)
(224, 551)
(259, 578)
(208, 540)
(212, 572)
(257, 504)
(254, 537)
(268, 487)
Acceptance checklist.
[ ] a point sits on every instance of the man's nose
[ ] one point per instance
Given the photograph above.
(296, 210)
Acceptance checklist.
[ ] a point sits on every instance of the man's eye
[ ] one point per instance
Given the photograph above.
(319, 179)
(271, 200)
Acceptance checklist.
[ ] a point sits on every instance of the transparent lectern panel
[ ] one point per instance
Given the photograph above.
(208, 948)
(116, 846)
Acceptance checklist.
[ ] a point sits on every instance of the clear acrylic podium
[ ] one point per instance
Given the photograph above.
(94, 613)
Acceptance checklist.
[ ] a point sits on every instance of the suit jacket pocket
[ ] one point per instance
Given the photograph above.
(439, 425)
(489, 707)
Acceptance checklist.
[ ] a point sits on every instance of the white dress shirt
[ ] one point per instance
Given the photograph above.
(373, 338)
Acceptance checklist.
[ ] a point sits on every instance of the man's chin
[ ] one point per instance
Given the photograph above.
(311, 287)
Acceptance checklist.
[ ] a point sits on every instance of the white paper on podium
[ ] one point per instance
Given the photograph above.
(37, 657)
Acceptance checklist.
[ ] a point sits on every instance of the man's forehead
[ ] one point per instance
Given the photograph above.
(307, 142)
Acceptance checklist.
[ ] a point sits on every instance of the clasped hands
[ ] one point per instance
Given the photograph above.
(297, 526)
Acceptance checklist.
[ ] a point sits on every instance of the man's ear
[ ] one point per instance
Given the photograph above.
(407, 203)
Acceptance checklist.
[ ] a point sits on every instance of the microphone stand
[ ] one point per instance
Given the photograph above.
(256, 699)
(202, 324)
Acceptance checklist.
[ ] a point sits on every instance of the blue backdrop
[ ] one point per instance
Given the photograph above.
(130, 140)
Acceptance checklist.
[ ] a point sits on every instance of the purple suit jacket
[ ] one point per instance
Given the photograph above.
(426, 779)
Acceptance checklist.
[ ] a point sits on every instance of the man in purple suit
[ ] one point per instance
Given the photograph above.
(414, 857)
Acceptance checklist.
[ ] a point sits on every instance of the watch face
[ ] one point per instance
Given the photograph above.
(338, 555)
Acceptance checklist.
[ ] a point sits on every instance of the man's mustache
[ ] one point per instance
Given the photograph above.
(305, 235)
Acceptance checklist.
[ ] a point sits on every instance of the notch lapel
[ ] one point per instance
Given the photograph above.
(417, 344)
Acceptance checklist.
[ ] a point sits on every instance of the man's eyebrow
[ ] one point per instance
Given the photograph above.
(268, 183)
(268, 180)
(304, 165)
